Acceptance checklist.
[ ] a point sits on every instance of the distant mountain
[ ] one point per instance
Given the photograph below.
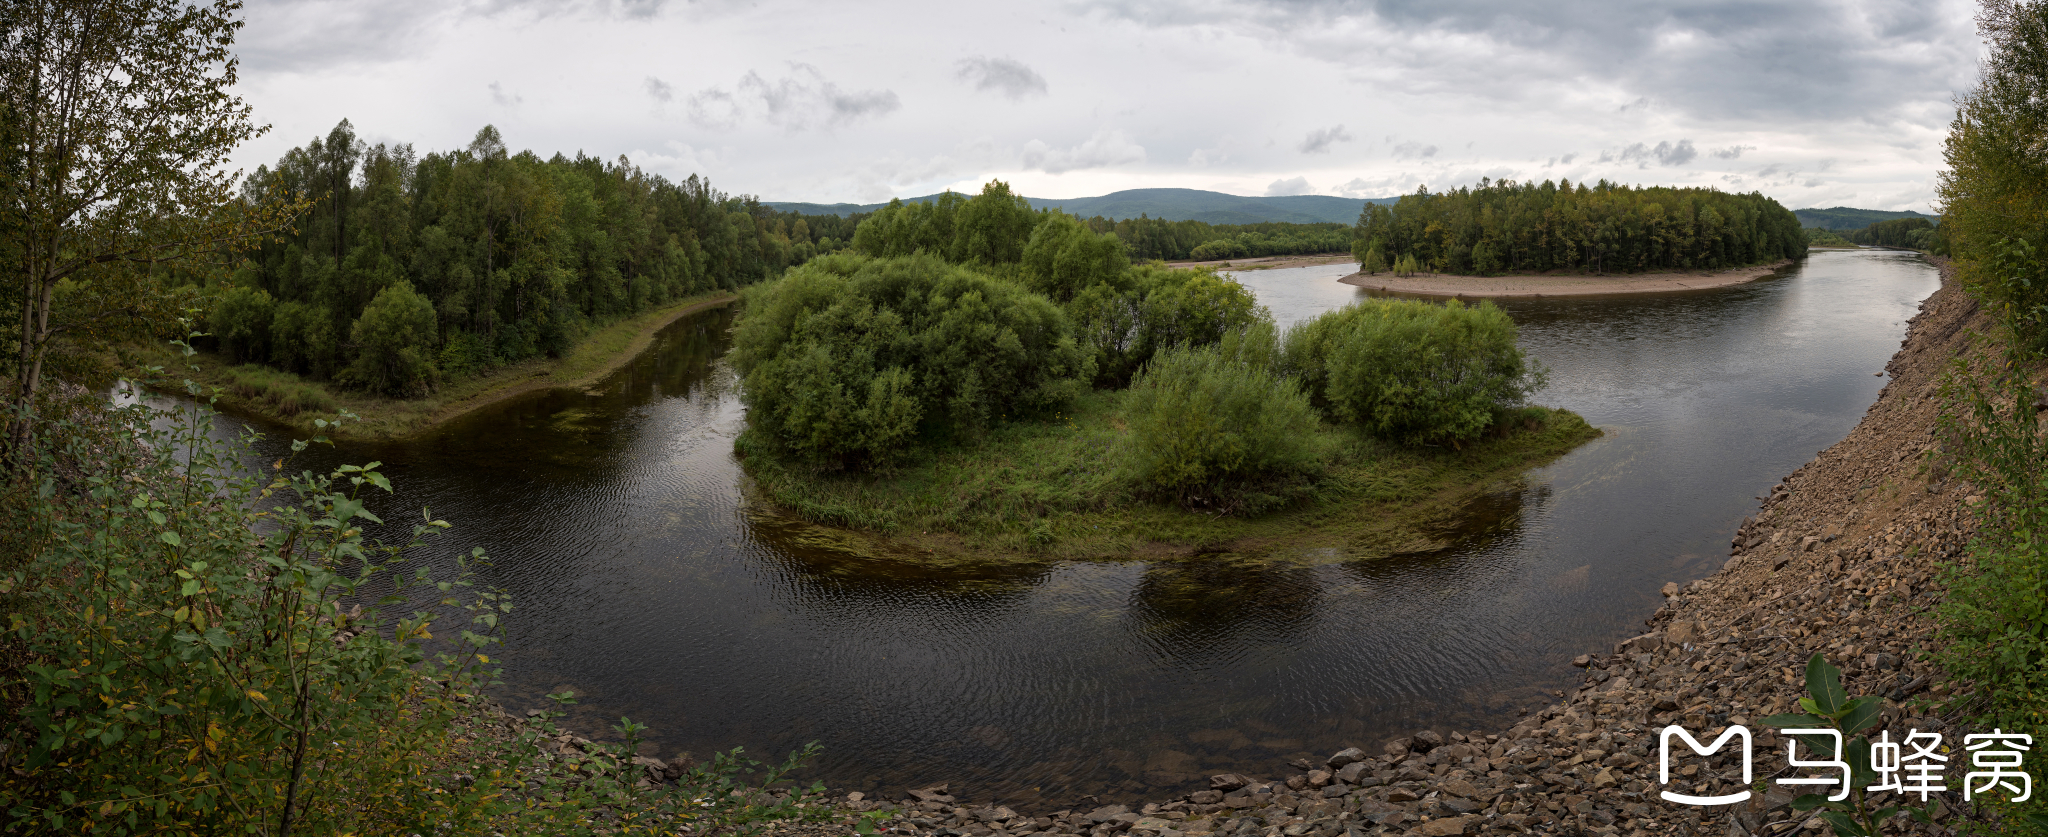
(1168, 204)
(1844, 218)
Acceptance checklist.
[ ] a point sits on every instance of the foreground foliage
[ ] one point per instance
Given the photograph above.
(198, 644)
(1994, 195)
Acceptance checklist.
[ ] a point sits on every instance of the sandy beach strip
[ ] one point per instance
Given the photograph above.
(1490, 287)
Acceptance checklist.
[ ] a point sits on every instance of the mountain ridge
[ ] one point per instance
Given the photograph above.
(1166, 204)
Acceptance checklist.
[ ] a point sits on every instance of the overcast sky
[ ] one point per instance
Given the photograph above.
(1814, 103)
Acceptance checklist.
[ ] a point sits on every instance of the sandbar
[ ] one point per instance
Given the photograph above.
(1491, 287)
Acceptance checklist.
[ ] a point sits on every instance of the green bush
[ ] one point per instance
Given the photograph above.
(992, 227)
(1216, 426)
(394, 341)
(848, 360)
(1410, 370)
(240, 322)
(1124, 321)
(1063, 258)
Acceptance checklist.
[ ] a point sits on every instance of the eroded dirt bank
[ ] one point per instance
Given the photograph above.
(1840, 560)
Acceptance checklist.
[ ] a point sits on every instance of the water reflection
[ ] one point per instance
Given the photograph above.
(648, 582)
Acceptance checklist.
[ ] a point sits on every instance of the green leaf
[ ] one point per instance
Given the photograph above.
(1844, 827)
(171, 538)
(1787, 721)
(1824, 682)
(1808, 802)
(345, 508)
(1861, 713)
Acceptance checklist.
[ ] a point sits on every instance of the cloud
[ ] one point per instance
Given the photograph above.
(1319, 140)
(1290, 186)
(660, 90)
(1408, 150)
(1006, 76)
(503, 98)
(1641, 103)
(800, 101)
(1207, 157)
(1732, 152)
(1664, 154)
(1565, 160)
(1105, 148)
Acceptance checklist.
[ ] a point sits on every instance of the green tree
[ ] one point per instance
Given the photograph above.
(122, 121)
(1413, 371)
(395, 342)
(1064, 258)
(1372, 261)
(992, 227)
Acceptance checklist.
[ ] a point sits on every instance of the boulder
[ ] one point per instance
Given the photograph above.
(1346, 756)
(1227, 782)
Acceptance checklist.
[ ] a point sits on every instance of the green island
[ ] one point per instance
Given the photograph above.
(1009, 386)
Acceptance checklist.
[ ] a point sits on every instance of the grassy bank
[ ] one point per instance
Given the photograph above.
(291, 400)
(1049, 489)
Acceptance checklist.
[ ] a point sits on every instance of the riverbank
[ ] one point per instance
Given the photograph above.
(1048, 490)
(287, 399)
(1494, 287)
(1842, 559)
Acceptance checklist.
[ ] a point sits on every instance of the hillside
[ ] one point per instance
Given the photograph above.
(1845, 218)
(1164, 204)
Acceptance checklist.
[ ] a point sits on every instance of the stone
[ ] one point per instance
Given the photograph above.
(1670, 589)
(1681, 632)
(1582, 660)
(1402, 795)
(1207, 797)
(1227, 782)
(1426, 741)
(1640, 644)
(1346, 756)
(1318, 778)
(1460, 805)
(1107, 813)
(1350, 773)
(1397, 746)
(1445, 827)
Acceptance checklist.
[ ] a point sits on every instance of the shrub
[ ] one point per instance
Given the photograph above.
(848, 360)
(1064, 258)
(240, 322)
(1148, 308)
(1413, 371)
(1216, 426)
(992, 227)
(395, 342)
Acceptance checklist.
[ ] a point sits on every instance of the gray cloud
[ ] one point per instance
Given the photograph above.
(1732, 152)
(660, 90)
(1290, 186)
(504, 98)
(1319, 140)
(800, 101)
(1407, 150)
(1006, 76)
(1105, 148)
(1664, 154)
(1755, 59)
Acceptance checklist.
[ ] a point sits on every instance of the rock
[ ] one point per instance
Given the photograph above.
(1348, 774)
(1670, 589)
(1397, 746)
(1318, 778)
(1582, 660)
(1107, 813)
(1681, 632)
(656, 769)
(1227, 782)
(995, 814)
(1346, 756)
(1426, 741)
(1402, 795)
(1446, 827)
(1640, 644)
(1460, 805)
(1207, 797)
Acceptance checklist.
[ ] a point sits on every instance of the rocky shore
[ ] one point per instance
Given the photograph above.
(1842, 560)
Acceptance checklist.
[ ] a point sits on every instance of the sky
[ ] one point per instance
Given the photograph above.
(1814, 103)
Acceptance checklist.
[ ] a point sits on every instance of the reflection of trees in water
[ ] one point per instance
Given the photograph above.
(828, 567)
(1485, 522)
(1197, 608)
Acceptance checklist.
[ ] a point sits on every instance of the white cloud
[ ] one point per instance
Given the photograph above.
(1291, 186)
(1319, 140)
(800, 101)
(1105, 148)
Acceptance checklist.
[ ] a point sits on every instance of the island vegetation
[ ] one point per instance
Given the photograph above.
(1009, 381)
(1818, 237)
(1909, 233)
(1508, 227)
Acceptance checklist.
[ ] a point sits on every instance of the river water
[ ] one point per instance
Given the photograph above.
(649, 584)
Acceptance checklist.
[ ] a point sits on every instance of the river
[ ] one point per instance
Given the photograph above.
(648, 583)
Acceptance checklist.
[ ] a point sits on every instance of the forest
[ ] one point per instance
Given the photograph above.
(1912, 233)
(1144, 238)
(1506, 226)
(411, 268)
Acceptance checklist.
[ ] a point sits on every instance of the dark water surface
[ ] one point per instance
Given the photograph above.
(646, 582)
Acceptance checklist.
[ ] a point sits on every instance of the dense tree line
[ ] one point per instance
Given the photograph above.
(1503, 226)
(1153, 238)
(413, 267)
(1913, 233)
